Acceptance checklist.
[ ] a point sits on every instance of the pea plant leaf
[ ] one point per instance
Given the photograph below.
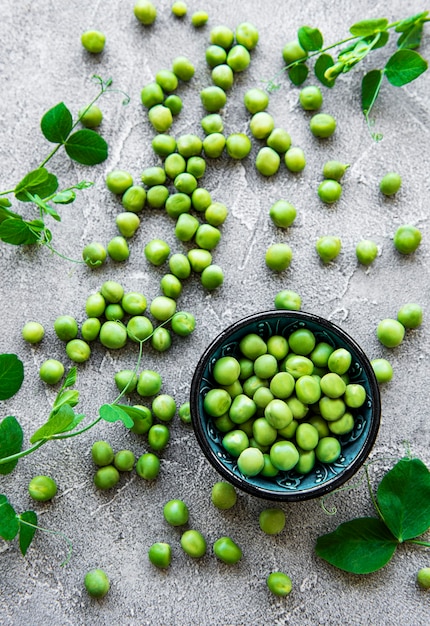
(411, 38)
(365, 28)
(57, 123)
(57, 423)
(6, 214)
(11, 438)
(404, 66)
(370, 86)
(87, 147)
(322, 64)
(64, 197)
(116, 413)
(71, 378)
(298, 73)
(405, 24)
(16, 231)
(310, 38)
(11, 375)
(5, 202)
(70, 397)
(403, 498)
(39, 181)
(132, 411)
(360, 546)
(27, 530)
(9, 524)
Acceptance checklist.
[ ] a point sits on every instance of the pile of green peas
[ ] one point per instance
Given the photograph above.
(282, 403)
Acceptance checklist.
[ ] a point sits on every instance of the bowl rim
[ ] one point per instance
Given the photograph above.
(241, 483)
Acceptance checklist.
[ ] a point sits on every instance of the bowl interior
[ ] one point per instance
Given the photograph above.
(290, 485)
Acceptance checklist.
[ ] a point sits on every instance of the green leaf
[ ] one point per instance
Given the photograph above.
(298, 73)
(381, 39)
(64, 197)
(404, 499)
(370, 86)
(323, 63)
(360, 546)
(404, 66)
(86, 147)
(5, 202)
(132, 411)
(70, 397)
(11, 375)
(411, 38)
(310, 38)
(57, 423)
(40, 182)
(6, 214)
(17, 232)
(71, 378)
(9, 524)
(11, 438)
(26, 532)
(115, 413)
(410, 21)
(57, 123)
(368, 27)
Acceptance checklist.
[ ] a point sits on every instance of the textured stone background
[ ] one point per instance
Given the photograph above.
(42, 63)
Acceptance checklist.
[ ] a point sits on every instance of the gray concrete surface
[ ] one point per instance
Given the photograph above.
(42, 63)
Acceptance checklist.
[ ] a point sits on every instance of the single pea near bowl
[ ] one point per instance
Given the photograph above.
(345, 393)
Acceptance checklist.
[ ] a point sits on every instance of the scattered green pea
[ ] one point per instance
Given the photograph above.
(160, 554)
(329, 191)
(176, 512)
(213, 98)
(293, 51)
(118, 181)
(222, 76)
(295, 159)
(160, 117)
(158, 437)
(366, 251)
(390, 332)
(279, 140)
(42, 488)
(410, 315)
(334, 170)
(118, 249)
(184, 413)
(247, 35)
(157, 251)
(282, 213)
(183, 68)
(328, 248)
(238, 58)
(151, 94)
(193, 543)
(223, 495)
(167, 80)
(390, 184)
(148, 466)
(113, 335)
(134, 199)
(124, 460)
(94, 254)
(423, 577)
(189, 145)
(93, 41)
(383, 370)
(199, 259)
(33, 332)
(272, 521)
(91, 117)
(238, 145)
(279, 584)
(227, 551)
(311, 98)
(161, 339)
(51, 371)
(145, 12)
(175, 104)
(267, 161)
(106, 477)
(288, 300)
(256, 100)
(164, 407)
(212, 276)
(407, 238)
(278, 256)
(96, 583)
(78, 350)
(139, 328)
(149, 383)
(322, 125)
(179, 8)
(66, 327)
(199, 19)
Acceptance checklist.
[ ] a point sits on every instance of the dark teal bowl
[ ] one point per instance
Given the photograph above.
(288, 486)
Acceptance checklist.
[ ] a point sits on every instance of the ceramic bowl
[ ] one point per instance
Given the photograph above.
(287, 485)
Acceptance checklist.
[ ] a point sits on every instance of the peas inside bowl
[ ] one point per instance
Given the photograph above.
(334, 393)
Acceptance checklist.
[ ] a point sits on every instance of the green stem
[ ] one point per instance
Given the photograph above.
(372, 495)
(52, 532)
(19, 455)
(75, 433)
(62, 256)
(419, 543)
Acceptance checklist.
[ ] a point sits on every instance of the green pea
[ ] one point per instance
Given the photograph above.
(212, 123)
(114, 312)
(167, 80)
(179, 265)
(223, 423)
(265, 366)
(322, 125)
(145, 12)
(329, 191)
(91, 117)
(222, 36)
(262, 397)
(298, 365)
(176, 512)
(407, 238)
(151, 95)
(142, 422)
(272, 521)
(174, 103)
(42, 488)
(355, 395)
(311, 98)
(213, 145)
(78, 350)
(95, 305)
(343, 425)
(126, 380)
(331, 409)
(118, 181)
(139, 328)
(113, 335)
(164, 145)
(251, 384)
(288, 300)
(134, 303)
(383, 370)
(307, 436)
(161, 339)
(328, 248)
(184, 413)
(250, 461)
(160, 554)
(199, 19)
(269, 470)
(320, 354)
(410, 315)
(157, 196)
(320, 424)
(213, 98)
(196, 166)
(238, 58)
(217, 402)
(162, 308)
(134, 199)
(256, 100)
(66, 327)
(332, 385)
(252, 346)
(158, 437)
(328, 450)
(155, 175)
(93, 41)
(164, 407)
(94, 254)
(222, 76)
(124, 460)
(96, 583)
(267, 161)
(282, 385)
(226, 370)
(263, 433)
(366, 251)
(390, 184)
(278, 414)
(215, 55)
(302, 341)
(390, 332)
(178, 203)
(279, 140)
(277, 345)
(183, 68)
(160, 117)
(112, 291)
(189, 145)
(174, 165)
(118, 249)
(293, 51)
(238, 145)
(279, 584)
(199, 259)
(179, 8)
(212, 277)
(261, 124)
(157, 251)
(247, 35)
(295, 159)
(216, 213)
(185, 183)
(227, 551)
(207, 236)
(339, 361)
(186, 227)
(278, 256)
(171, 286)
(284, 455)
(242, 409)
(148, 466)
(149, 383)
(223, 495)
(235, 442)
(306, 461)
(423, 577)
(308, 390)
(193, 543)
(106, 477)
(33, 332)
(334, 170)
(102, 453)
